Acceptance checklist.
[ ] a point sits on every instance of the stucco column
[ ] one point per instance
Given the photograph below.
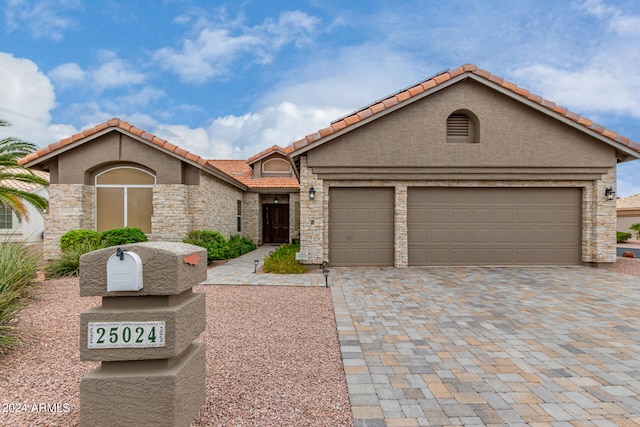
(401, 237)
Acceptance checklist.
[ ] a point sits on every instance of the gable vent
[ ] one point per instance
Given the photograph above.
(458, 126)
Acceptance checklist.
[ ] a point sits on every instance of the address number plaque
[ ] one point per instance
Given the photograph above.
(125, 334)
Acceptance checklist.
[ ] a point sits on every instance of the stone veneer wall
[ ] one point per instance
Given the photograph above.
(71, 207)
(213, 205)
(251, 216)
(294, 233)
(598, 214)
(314, 236)
(171, 220)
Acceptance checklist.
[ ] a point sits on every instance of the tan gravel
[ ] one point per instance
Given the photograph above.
(629, 266)
(273, 359)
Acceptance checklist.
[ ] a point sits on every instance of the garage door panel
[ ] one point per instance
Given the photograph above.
(483, 226)
(361, 226)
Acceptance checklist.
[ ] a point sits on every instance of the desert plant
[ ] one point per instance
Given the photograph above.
(622, 236)
(212, 241)
(69, 263)
(283, 261)
(122, 236)
(636, 228)
(18, 267)
(74, 238)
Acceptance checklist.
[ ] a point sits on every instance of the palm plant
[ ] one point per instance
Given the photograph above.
(11, 150)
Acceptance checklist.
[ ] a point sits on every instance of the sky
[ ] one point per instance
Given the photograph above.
(226, 80)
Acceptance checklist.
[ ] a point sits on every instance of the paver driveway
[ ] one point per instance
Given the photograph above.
(490, 346)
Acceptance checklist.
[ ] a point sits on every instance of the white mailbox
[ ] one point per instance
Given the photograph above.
(124, 271)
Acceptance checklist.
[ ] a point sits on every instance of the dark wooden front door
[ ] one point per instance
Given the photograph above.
(275, 223)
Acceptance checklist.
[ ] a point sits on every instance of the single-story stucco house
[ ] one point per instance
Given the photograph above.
(463, 168)
(14, 229)
(628, 210)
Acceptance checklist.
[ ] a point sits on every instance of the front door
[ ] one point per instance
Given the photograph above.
(275, 223)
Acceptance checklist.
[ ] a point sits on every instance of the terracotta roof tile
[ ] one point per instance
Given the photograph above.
(631, 202)
(264, 153)
(243, 172)
(24, 186)
(445, 76)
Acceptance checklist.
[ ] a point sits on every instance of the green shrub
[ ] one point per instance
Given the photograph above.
(636, 228)
(18, 267)
(212, 241)
(122, 236)
(622, 236)
(238, 245)
(283, 261)
(69, 263)
(71, 239)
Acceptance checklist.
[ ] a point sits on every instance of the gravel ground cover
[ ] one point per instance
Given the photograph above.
(273, 359)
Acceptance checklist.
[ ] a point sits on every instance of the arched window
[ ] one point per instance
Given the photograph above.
(276, 166)
(124, 198)
(463, 126)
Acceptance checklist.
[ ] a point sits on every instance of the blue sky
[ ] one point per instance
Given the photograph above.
(229, 79)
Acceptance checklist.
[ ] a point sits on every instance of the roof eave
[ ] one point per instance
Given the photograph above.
(207, 167)
(629, 153)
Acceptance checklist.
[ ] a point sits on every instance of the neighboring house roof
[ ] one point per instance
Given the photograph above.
(24, 186)
(243, 172)
(626, 203)
(445, 79)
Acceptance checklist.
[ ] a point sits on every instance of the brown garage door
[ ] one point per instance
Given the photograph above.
(494, 226)
(361, 226)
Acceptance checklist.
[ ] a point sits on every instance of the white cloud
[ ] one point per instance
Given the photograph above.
(215, 49)
(111, 72)
(43, 19)
(599, 80)
(27, 99)
(68, 74)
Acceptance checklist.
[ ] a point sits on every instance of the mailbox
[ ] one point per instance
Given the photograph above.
(124, 271)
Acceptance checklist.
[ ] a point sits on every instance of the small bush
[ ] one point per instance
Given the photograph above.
(69, 263)
(283, 261)
(636, 228)
(239, 245)
(18, 267)
(74, 238)
(122, 236)
(622, 236)
(212, 241)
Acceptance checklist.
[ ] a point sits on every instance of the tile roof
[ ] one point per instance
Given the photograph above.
(243, 172)
(631, 202)
(440, 79)
(24, 186)
(113, 123)
(238, 170)
(269, 151)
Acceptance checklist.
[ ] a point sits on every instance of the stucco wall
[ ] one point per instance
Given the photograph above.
(511, 135)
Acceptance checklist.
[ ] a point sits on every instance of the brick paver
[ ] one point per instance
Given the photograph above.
(480, 346)
(490, 346)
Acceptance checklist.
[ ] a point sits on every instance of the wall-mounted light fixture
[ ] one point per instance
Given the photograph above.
(312, 193)
(275, 200)
(610, 194)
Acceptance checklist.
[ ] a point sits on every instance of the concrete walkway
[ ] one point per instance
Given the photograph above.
(239, 271)
(480, 346)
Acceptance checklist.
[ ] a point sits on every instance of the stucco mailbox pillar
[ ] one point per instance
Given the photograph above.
(152, 373)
